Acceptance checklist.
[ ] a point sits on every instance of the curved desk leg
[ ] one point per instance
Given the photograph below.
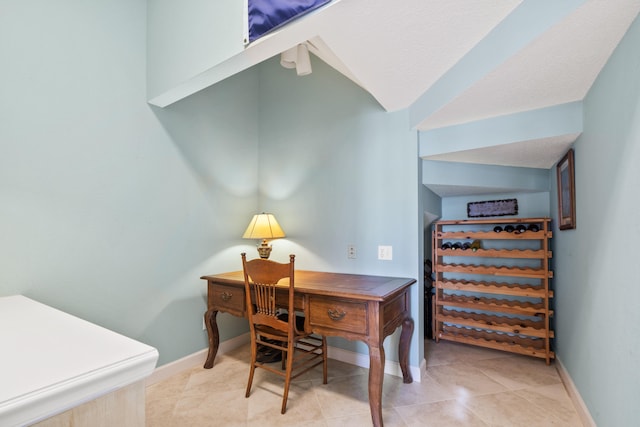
(214, 338)
(403, 349)
(376, 373)
(376, 369)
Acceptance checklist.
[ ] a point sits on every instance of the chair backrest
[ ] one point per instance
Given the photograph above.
(261, 277)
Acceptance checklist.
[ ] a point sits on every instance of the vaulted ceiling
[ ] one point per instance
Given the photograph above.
(459, 61)
(455, 62)
(506, 55)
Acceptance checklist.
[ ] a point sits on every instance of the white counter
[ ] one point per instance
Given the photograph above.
(51, 361)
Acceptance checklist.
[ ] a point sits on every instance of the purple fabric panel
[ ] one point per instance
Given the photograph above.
(267, 15)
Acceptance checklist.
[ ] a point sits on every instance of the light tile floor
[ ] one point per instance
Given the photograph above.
(464, 386)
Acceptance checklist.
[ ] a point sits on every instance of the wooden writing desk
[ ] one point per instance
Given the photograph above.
(356, 307)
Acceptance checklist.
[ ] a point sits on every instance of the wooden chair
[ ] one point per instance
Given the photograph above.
(270, 326)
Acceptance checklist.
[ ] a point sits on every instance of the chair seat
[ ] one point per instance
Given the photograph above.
(268, 354)
(273, 333)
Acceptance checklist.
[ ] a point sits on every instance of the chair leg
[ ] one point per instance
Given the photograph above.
(287, 380)
(248, 392)
(324, 360)
(254, 355)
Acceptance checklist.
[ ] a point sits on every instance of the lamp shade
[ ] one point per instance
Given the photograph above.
(263, 226)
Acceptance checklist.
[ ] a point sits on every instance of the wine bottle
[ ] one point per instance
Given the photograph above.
(520, 228)
(445, 246)
(456, 246)
(465, 246)
(497, 229)
(533, 227)
(509, 228)
(475, 245)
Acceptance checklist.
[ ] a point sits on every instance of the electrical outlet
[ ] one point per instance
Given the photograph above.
(351, 251)
(385, 253)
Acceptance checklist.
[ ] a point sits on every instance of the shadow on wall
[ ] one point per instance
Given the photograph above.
(216, 132)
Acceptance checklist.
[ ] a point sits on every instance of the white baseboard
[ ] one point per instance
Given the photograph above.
(578, 403)
(195, 359)
(423, 369)
(198, 358)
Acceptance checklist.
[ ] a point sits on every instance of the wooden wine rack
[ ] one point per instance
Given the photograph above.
(498, 296)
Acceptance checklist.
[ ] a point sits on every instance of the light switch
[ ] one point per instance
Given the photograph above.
(385, 253)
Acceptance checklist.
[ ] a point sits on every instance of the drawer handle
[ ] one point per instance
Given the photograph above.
(226, 296)
(335, 314)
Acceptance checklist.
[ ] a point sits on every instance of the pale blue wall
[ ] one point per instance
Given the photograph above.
(548, 122)
(432, 205)
(597, 273)
(108, 211)
(484, 179)
(432, 202)
(337, 169)
(188, 37)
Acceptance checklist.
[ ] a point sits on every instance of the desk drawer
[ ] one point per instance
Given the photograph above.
(226, 298)
(342, 315)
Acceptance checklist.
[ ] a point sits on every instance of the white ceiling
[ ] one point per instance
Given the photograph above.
(557, 67)
(439, 53)
(397, 50)
(400, 51)
(540, 153)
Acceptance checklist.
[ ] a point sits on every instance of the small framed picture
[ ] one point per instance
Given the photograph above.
(566, 192)
(492, 208)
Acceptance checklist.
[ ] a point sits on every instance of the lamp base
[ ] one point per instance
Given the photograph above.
(264, 250)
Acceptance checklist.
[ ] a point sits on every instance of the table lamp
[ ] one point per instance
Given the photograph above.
(263, 226)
